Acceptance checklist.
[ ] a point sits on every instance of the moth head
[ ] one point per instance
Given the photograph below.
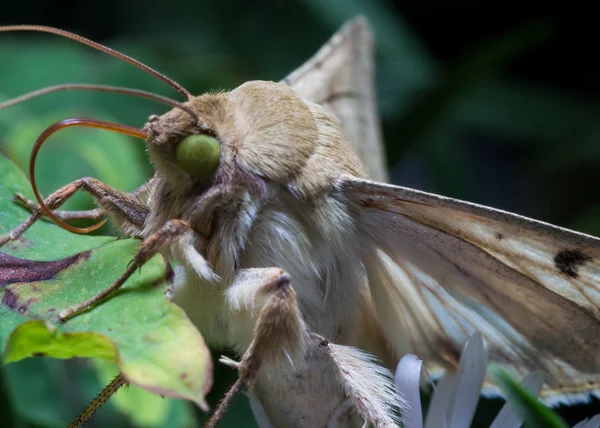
(260, 129)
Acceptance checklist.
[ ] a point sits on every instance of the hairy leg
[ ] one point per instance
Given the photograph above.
(142, 193)
(267, 329)
(126, 209)
(152, 245)
(288, 374)
(298, 377)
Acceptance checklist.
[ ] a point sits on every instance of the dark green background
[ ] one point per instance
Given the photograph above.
(493, 104)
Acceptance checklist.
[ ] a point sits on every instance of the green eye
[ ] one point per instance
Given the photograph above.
(198, 155)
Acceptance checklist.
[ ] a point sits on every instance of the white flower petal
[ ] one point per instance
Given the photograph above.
(259, 413)
(437, 414)
(581, 424)
(592, 423)
(507, 417)
(407, 379)
(471, 372)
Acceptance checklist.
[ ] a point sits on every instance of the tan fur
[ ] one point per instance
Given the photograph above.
(272, 203)
(290, 193)
(272, 208)
(390, 268)
(280, 154)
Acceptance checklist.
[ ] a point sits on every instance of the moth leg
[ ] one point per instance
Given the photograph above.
(294, 373)
(264, 309)
(149, 248)
(264, 305)
(287, 370)
(141, 194)
(127, 209)
(95, 214)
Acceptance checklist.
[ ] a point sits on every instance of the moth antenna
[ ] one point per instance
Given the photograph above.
(101, 48)
(97, 402)
(100, 88)
(67, 123)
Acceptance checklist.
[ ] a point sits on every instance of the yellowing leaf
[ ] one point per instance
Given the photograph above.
(48, 269)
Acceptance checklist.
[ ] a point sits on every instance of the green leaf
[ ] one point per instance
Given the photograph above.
(151, 340)
(534, 413)
(46, 339)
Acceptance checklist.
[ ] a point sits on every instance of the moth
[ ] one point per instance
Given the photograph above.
(293, 249)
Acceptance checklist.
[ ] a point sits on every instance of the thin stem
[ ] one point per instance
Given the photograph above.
(225, 404)
(102, 398)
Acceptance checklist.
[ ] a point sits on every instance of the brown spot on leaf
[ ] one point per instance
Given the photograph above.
(22, 242)
(25, 306)
(569, 261)
(499, 236)
(15, 270)
(39, 354)
(10, 299)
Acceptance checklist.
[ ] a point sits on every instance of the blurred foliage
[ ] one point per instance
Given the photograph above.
(493, 104)
(524, 403)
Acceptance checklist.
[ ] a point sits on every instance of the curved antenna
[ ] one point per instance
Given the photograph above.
(100, 88)
(101, 48)
(67, 123)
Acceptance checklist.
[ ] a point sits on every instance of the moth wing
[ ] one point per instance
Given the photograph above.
(340, 78)
(440, 269)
